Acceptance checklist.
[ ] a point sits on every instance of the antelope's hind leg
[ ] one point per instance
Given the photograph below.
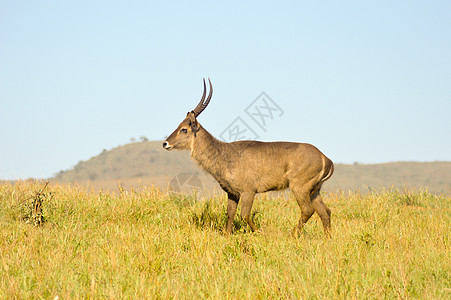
(322, 210)
(303, 199)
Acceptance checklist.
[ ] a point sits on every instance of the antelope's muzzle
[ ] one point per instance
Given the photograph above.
(166, 145)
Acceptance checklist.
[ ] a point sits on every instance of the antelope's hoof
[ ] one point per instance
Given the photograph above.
(296, 232)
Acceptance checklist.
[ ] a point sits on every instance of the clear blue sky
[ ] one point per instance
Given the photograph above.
(363, 81)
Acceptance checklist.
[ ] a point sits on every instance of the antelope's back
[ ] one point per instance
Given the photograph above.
(271, 165)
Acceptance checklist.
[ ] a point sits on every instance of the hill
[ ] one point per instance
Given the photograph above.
(134, 160)
(434, 176)
(147, 163)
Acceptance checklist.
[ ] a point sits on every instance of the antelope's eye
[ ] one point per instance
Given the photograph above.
(183, 130)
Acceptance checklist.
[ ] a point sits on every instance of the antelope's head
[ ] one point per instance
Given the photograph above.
(185, 133)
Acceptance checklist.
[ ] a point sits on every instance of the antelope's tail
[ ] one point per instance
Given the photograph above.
(326, 173)
(328, 169)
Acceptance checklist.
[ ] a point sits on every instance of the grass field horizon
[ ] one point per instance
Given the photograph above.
(145, 242)
(147, 162)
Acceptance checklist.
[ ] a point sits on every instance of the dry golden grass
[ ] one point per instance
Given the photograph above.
(145, 243)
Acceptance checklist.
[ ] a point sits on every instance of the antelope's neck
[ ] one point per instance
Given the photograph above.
(208, 152)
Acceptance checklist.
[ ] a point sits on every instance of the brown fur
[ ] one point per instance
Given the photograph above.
(245, 168)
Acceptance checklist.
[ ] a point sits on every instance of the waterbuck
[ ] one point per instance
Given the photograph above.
(244, 168)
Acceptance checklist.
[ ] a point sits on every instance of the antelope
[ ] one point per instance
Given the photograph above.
(245, 168)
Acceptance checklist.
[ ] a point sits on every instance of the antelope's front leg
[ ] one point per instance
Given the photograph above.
(231, 211)
(247, 199)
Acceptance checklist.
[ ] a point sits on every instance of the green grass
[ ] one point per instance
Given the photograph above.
(146, 243)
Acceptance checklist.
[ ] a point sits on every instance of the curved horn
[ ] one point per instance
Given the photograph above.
(203, 104)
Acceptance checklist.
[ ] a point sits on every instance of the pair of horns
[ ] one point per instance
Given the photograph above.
(203, 102)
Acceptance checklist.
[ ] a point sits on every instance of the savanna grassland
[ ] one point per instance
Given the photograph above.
(71, 242)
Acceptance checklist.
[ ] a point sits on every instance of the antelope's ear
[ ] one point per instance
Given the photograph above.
(192, 118)
(193, 123)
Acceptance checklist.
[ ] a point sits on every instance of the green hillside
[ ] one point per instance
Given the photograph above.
(147, 162)
(141, 159)
(435, 176)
